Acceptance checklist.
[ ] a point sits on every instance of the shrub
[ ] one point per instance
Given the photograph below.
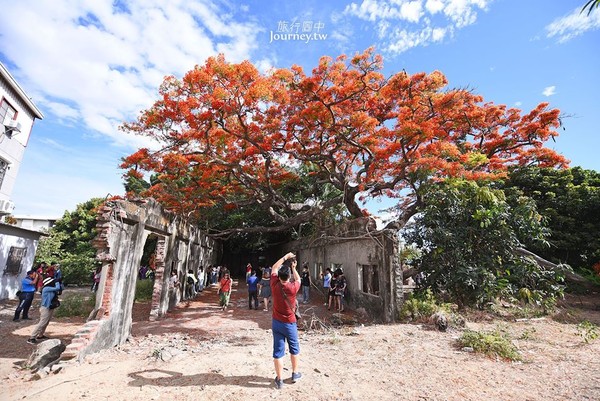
(144, 289)
(76, 305)
(492, 344)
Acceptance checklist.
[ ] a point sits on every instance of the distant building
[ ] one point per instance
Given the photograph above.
(36, 223)
(17, 245)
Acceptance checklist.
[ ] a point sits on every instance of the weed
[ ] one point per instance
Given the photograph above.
(528, 334)
(335, 339)
(493, 344)
(587, 330)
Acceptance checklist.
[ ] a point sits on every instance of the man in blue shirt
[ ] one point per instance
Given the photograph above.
(50, 289)
(28, 286)
(252, 281)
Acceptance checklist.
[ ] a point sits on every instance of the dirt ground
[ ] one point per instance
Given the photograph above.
(199, 352)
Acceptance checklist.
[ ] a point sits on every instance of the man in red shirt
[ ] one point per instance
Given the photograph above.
(284, 326)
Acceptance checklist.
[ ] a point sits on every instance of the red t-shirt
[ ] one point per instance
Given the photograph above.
(281, 310)
(225, 284)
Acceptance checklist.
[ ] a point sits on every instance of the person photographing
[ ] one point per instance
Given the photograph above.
(284, 324)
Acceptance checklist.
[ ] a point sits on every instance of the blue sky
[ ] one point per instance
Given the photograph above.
(92, 65)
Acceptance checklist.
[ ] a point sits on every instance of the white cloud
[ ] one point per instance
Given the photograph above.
(549, 91)
(574, 24)
(103, 64)
(416, 23)
(434, 6)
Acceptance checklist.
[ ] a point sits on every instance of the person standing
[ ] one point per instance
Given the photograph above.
(252, 289)
(28, 286)
(96, 278)
(173, 281)
(306, 282)
(225, 289)
(200, 279)
(284, 324)
(41, 270)
(326, 284)
(332, 287)
(50, 290)
(249, 270)
(265, 287)
(340, 289)
(190, 281)
(58, 276)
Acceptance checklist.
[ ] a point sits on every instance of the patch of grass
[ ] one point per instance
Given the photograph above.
(492, 344)
(588, 331)
(76, 305)
(143, 290)
(528, 334)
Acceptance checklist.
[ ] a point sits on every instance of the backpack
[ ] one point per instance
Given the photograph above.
(190, 280)
(55, 303)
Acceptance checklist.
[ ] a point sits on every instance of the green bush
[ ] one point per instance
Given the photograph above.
(76, 305)
(419, 307)
(493, 344)
(144, 289)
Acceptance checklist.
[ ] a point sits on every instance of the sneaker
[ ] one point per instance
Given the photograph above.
(27, 318)
(41, 338)
(16, 319)
(278, 383)
(296, 376)
(32, 341)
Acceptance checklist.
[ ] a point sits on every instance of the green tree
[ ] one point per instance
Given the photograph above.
(468, 234)
(69, 242)
(570, 201)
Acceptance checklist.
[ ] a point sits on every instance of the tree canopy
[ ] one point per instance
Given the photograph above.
(296, 145)
(69, 242)
(570, 201)
(468, 235)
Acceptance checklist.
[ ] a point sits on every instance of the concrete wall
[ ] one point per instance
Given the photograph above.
(354, 247)
(123, 228)
(11, 236)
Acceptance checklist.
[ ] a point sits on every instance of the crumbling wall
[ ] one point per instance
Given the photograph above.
(123, 228)
(355, 247)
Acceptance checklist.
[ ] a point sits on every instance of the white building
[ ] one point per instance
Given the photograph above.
(36, 223)
(17, 245)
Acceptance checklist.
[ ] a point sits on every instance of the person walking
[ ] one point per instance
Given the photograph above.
(252, 289)
(284, 324)
(28, 287)
(50, 291)
(306, 282)
(225, 289)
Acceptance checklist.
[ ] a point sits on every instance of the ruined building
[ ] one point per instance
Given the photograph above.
(368, 258)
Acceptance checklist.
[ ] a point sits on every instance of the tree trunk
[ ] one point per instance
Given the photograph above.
(546, 264)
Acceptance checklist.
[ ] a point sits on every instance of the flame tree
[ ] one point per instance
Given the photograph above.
(296, 145)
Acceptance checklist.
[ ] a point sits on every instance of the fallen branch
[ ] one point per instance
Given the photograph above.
(63, 382)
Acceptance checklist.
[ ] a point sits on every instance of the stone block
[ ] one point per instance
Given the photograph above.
(45, 353)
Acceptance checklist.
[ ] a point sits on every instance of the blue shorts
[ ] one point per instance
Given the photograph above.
(281, 333)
